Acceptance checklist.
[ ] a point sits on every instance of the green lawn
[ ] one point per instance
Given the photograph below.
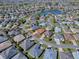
(77, 41)
(65, 49)
(68, 49)
(67, 42)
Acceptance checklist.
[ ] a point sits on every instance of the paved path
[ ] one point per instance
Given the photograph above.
(58, 46)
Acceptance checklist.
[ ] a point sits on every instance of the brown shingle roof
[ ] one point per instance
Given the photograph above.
(69, 36)
(5, 45)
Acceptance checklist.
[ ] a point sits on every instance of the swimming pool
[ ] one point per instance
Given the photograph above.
(55, 12)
